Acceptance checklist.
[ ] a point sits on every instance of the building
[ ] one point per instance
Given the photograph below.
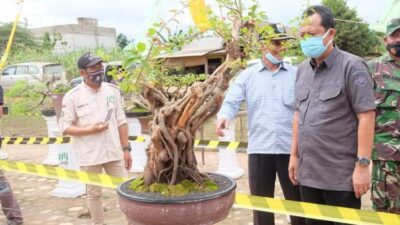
(201, 56)
(85, 34)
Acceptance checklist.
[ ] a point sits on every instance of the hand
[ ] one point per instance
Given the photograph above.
(361, 180)
(221, 124)
(293, 165)
(127, 160)
(99, 127)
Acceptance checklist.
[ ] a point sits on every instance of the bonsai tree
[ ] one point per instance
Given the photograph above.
(177, 115)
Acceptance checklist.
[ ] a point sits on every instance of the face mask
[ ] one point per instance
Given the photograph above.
(96, 76)
(272, 58)
(314, 46)
(396, 47)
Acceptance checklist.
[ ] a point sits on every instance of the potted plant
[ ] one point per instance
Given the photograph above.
(54, 91)
(172, 189)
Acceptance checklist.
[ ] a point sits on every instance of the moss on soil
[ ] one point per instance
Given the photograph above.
(182, 188)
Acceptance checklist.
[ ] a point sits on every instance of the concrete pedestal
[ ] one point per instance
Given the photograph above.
(68, 189)
(227, 164)
(53, 130)
(62, 155)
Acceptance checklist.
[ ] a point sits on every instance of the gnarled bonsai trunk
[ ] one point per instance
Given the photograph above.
(170, 154)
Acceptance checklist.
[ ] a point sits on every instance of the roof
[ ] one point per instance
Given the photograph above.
(200, 47)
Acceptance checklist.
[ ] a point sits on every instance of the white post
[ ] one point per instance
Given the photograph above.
(228, 164)
(62, 155)
(138, 148)
(53, 130)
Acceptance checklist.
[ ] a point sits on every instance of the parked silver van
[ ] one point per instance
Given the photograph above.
(32, 72)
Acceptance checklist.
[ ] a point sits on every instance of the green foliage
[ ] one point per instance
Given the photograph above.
(122, 41)
(58, 88)
(149, 68)
(22, 39)
(23, 89)
(49, 42)
(23, 97)
(182, 188)
(354, 37)
(182, 80)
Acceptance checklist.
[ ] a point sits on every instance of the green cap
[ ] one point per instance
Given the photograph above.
(392, 26)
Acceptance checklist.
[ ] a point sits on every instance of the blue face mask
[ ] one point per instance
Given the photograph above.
(314, 46)
(272, 58)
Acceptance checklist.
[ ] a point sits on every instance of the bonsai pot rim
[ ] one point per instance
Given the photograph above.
(48, 112)
(181, 199)
(137, 114)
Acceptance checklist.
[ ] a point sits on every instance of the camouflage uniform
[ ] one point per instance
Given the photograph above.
(386, 153)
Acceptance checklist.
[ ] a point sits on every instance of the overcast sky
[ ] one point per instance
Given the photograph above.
(132, 16)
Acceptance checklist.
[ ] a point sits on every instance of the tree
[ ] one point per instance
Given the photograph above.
(50, 41)
(122, 40)
(23, 37)
(353, 35)
(170, 154)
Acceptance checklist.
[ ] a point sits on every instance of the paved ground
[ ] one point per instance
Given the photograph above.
(39, 207)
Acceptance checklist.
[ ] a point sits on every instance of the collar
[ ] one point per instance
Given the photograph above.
(387, 57)
(87, 87)
(261, 66)
(329, 61)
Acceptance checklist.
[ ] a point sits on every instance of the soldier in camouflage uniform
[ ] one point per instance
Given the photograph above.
(386, 154)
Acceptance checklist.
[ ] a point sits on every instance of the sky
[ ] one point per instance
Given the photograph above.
(131, 17)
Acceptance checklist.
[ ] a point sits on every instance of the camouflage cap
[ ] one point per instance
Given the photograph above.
(392, 26)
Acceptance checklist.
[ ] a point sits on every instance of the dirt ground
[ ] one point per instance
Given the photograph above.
(39, 207)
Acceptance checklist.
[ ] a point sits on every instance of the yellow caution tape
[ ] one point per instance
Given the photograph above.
(35, 140)
(231, 145)
(273, 205)
(315, 211)
(63, 174)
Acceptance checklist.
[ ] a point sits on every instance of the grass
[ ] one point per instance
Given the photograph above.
(25, 126)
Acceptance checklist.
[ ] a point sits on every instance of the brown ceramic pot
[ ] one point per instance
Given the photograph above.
(144, 123)
(194, 209)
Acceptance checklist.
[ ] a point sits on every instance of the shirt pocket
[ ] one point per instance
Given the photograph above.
(330, 101)
(85, 115)
(301, 103)
(288, 96)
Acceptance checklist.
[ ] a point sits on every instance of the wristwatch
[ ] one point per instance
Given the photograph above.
(362, 161)
(127, 148)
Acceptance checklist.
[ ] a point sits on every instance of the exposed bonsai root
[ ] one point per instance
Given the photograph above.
(170, 154)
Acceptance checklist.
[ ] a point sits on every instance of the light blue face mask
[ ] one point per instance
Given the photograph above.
(314, 46)
(272, 58)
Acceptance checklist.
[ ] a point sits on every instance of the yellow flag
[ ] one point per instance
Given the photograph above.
(198, 11)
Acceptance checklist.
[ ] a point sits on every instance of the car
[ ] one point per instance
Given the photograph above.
(108, 66)
(32, 72)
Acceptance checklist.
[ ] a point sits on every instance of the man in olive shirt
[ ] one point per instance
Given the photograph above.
(333, 125)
